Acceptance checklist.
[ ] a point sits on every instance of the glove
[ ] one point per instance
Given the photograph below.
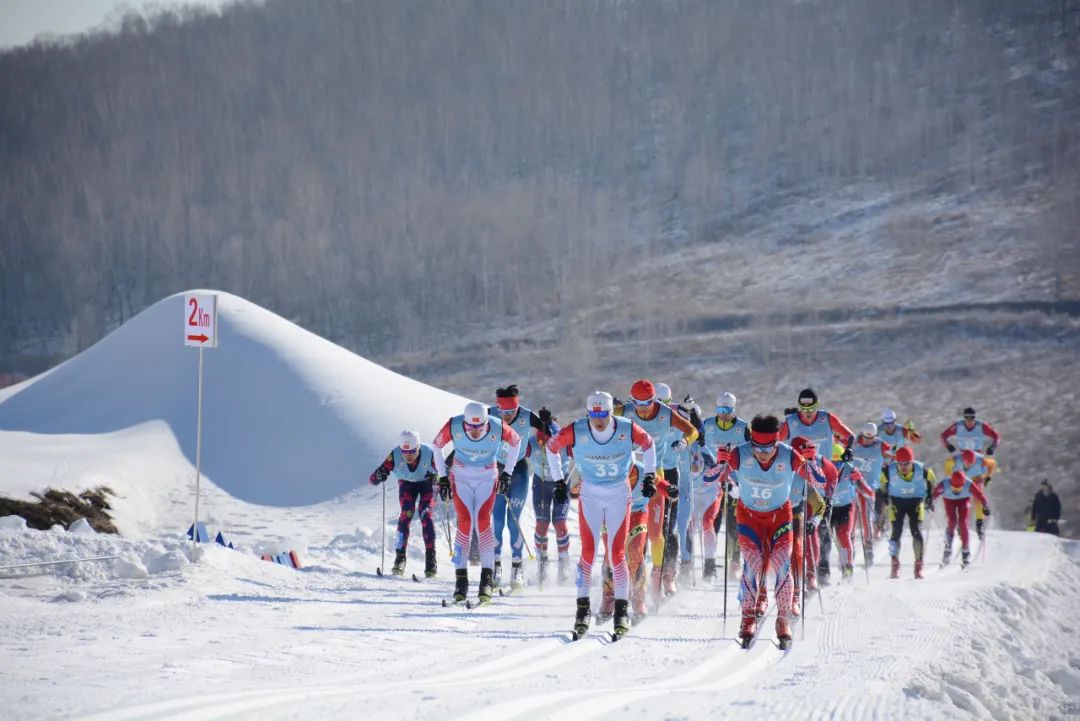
(648, 485)
(445, 491)
(723, 455)
(847, 455)
(930, 505)
(561, 494)
(544, 415)
(504, 483)
(986, 511)
(679, 445)
(673, 491)
(431, 477)
(990, 450)
(950, 448)
(380, 475)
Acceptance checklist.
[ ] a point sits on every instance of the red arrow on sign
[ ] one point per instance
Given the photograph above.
(201, 338)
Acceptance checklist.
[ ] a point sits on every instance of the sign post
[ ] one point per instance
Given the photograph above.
(200, 331)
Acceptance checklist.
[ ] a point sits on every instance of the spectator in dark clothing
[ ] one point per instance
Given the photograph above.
(1046, 510)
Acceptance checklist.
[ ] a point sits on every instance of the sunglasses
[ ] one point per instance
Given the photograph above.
(969, 418)
(725, 410)
(410, 451)
(473, 426)
(599, 414)
(642, 404)
(763, 449)
(808, 406)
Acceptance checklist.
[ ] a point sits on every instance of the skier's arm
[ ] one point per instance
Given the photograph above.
(839, 429)
(976, 492)
(563, 439)
(543, 430)
(860, 482)
(883, 482)
(946, 435)
(381, 473)
(910, 433)
(991, 467)
(442, 438)
(512, 440)
(950, 464)
(931, 479)
(938, 489)
(995, 439)
(644, 442)
(689, 433)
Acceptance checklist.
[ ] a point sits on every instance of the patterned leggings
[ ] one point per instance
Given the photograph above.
(409, 492)
(765, 541)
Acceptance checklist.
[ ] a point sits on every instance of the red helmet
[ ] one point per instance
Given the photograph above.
(804, 446)
(905, 455)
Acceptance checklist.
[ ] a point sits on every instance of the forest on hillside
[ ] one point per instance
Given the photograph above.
(379, 170)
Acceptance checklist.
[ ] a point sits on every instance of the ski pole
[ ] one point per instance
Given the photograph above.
(862, 536)
(517, 524)
(805, 553)
(727, 538)
(382, 565)
(446, 525)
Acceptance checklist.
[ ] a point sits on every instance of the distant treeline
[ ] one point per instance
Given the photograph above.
(380, 169)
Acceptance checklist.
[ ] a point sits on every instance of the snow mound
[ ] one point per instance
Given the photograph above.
(13, 523)
(289, 418)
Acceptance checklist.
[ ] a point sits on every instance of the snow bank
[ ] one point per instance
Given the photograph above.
(290, 418)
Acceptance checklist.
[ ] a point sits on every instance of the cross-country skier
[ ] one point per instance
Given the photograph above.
(907, 483)
(816, 424)
(603, 445)
(957, 493)
(765, 470)
(895, 435)
(412, 462)
(549, 513)
(848, 502)
(691, 466)
(979, 468)
(635, 550)
(473, 481)
(969, 434)
(869, 455)
(801, 552)
(671, 434)
(726, 430)
(526, 423)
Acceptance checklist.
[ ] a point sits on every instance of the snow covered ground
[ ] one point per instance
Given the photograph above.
(150, 635)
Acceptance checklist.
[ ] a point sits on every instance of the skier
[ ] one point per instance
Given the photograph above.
(958, 492)
(635, 550)
(979, 468)
(969, 434)
(602, 445)
(765, 470)
(1045, 510)
(897, 436)
(815, 506)
(549, 513)
(816, 424)
(669, 432)
(691, 466)
(726, 430)
(846, 510)
(869, 455)
(413, 464)
(907, 483)
(526, 423)
(473, 480)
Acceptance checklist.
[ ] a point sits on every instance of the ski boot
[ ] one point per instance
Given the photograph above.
(431, 566)
(581, 620)
(486, 579)
(399, 563)
(947, 556)
(517, 576)
(762, 604)
(564, 567)
(461, 584)
(709, 574)
(894, 569)
(918, 568)
(669, 579)
(783, 632)
(848, 572)
(496, 579)
(622, 619)
(748, 629)
(965, 558)
(979, 530)
(686, 572)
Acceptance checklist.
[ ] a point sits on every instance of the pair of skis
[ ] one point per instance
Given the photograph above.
(380, 574)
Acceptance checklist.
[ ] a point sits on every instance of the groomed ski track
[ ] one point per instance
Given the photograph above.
(956, 644)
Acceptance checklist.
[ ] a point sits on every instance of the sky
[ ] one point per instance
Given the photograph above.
(23, 20)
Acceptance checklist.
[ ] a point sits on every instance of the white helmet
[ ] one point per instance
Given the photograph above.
(475, 413)
(725, 400)
(600, 401)
(869, 429)
(888, 416)
(409, 440)
(663, 392)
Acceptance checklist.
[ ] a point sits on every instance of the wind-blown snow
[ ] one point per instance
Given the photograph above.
(289, 417)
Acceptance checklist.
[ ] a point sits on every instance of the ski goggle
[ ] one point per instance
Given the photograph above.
(725, 410)
(807, 407)
(759, 448)
(599, 414)
(474, 426)
(969, 418)
(410, 451)
(642, 404)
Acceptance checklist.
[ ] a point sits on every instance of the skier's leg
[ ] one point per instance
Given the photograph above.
(656, 530)
(635, 557)
(961, 519)
(519, 490)
(559, 513)
(427, 514)
(897, 518)
(842, 516)
(671, 513)
(591, 521)
(499, 522)
(780, 562)
(797, 554)
(826, 547)
(463, 499)
(484, 503)
(684, 514)
(617, 516)
(708, 524)
(542, 498)
(916, 517)
(407, 499)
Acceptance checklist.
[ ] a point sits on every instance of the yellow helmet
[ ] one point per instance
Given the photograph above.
(837, 451)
